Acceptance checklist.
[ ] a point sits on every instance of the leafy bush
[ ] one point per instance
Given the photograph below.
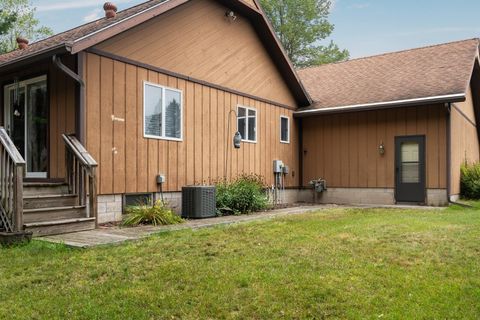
(470, 181)
(158, 214)
(243, 195)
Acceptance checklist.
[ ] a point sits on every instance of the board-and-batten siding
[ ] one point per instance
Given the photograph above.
(61, 90)
(464, 139)
(129, 163)
(197, 40)
(343, 148)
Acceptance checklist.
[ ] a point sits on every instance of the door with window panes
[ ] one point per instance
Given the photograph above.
(410, 169)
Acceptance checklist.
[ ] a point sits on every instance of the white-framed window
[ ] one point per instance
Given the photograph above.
(284, 129)
(247, 123)
(162, 112)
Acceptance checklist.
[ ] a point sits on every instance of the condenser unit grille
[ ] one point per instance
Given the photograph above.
(198, 202)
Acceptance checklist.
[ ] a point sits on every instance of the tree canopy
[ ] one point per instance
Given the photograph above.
(6, 21)
(17, 18)
(301, 26)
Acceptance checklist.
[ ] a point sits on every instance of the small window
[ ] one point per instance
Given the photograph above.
(247, 124)
(162, 112)
(284, 129)
(140, 199)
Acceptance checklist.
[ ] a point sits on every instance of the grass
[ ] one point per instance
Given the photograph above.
(356, 264)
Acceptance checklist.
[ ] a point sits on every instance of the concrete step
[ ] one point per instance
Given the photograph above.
(52, 214)
(49, 201)
(63, 226)
(44, 188)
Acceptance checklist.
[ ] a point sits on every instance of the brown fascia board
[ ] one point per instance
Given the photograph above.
(123, 25)
(451, 98)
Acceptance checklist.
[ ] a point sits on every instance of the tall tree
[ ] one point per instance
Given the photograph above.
(301, 25)
(6, 21)
(24, 24)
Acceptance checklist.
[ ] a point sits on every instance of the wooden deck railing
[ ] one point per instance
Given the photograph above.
(12, 171)
(81, 174)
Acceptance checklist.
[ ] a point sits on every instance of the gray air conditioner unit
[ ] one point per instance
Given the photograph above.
(199, 202)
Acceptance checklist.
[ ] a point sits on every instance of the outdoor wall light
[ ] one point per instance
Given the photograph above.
(237, 140)
(230, 15)
(381, 149)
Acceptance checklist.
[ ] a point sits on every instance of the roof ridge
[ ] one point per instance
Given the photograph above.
(391, 53)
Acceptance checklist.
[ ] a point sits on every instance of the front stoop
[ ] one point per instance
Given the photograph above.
(50, 210)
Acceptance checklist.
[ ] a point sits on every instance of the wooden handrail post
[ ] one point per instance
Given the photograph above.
(18, 192)
(93, 195)
(80, 167)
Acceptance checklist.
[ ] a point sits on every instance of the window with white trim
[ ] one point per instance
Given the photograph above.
(284, 129)
(247, 123)
(162, 110)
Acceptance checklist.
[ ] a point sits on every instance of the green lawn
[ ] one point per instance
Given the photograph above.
(356, 264)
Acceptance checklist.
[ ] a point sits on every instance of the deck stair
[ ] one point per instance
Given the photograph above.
(49, 209)
(46, 208)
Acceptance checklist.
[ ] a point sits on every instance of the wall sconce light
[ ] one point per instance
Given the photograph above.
(381, 149)
(237, 140)
(230, 15)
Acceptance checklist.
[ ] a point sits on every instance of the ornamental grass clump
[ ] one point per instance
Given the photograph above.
(242, 196)
(158, 214)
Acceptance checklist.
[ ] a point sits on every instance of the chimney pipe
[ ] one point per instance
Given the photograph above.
(110, 10)
(22, 43)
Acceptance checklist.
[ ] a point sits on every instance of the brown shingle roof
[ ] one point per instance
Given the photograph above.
(74, 34)
(431, 71)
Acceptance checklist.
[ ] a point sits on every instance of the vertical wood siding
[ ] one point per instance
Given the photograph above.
(464, 139)
(197, 40)
(343, 148)
(129, 163)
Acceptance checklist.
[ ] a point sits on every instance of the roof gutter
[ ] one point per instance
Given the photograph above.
(458, 97)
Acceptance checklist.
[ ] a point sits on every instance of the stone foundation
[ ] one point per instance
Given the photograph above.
(110, 208)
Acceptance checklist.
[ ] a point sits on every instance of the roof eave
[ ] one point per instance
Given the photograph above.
(34, 57)
(458, 97)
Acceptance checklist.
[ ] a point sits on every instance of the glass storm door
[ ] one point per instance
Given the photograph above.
(410, 169)
(26, 121)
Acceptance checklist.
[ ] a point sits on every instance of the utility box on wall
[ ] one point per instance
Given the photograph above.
(199, 202)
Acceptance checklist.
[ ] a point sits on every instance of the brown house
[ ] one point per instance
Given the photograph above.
(394, 127)
(157, 89)
(91, 118)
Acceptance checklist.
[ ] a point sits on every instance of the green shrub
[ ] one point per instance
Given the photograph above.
(243, 195)
(470, 181)
(158, 214)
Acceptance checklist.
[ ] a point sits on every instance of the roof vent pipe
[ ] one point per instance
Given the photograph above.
(110, 10)
(22, 43)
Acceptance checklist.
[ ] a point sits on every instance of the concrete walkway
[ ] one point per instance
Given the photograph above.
(116, 235)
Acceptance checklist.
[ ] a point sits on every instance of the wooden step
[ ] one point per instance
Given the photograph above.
(46, 228)
(49, 201)
(44, 188)
(52, 214)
